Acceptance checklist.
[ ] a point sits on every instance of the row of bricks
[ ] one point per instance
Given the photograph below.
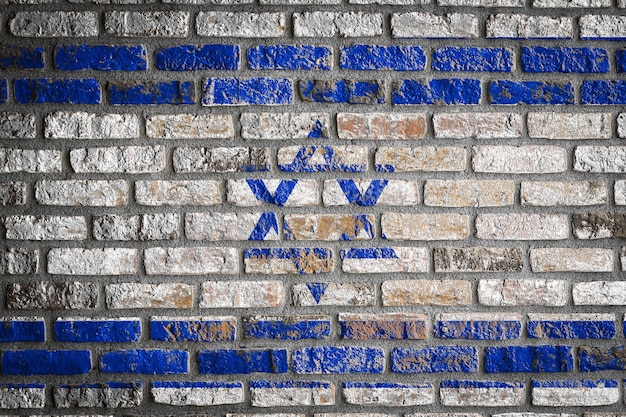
(279, 91)
(317, 24)
(313, 57)
(504, 159)
(271, 294)
(267, 393)
(352, 326)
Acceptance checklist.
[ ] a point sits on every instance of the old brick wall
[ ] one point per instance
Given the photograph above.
(312, 207)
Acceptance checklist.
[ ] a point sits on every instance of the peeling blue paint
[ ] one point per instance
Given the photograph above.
(152, 93)
(480, 384)
(21, 57)
(451, 58)
(46, 362)
(368, 198)
(145, 361)
(267, 222)
(575, 329)
(384, 385)
(338, 360)
(301, 162)
(231, 361)
(22, 331)
(437, 92)
(302, 258)
(100, 57)
(317, 290)
(603, 92)
(529, 359)
(434, 359)
(81, 331)
(585, 383)
(287, 329)
(592, 359)
(290, 57)
(343, 91)
(4, 91)
(379, 57)
(197, 384)
(193, 58)
(478, 329)
(531, 92)
(281, 195)
(247, 91)
(369, 253)
(620, 60)
(66, 91)
(193, 330)
(289, 384)
(564, 59)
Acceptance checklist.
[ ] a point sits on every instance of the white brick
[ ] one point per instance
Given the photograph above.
(82, 193)
(570, 4)
(602, 26)
(569, 125)
(523, 292)
(428, 25)
(571, 260)
(621, 123)
(101, 395)
(482, 3)
(199, 394)
(82, 125)
(405, 226)
(17, 125)
(420, 159)
(293, 393)
(242, 192)
(620, 193)
(227, 226)
(381, 126)
(469, 193)
(519, 159)
(354, 157)
(178, 193)
(79, 261)
(22, 396)
(476, 394)
(329, 24)
(400, 395)
(242, 294)
(191, 261)
(522, 226)
(563, 193)
(334, 294)
(394, 193)
(576, 395)
(139, 295)
(190, 126)
(128, 159)
(477, 125)
(426, 292)
(138, 23)
(385, 260)
(610, 293)
(54, 24)
(45, 228)
(30, 160)
(127, 227)
(529, 27)
(609, 159)
(284, 125)
(241, 25)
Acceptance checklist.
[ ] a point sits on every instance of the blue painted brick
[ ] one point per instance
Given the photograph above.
(343, 91)
(32, 330)
(4, 91)
(247, 91)
(152, 93)
(113, 385)
(86, 330)
(450, 58)
(67, 91)
(289, 384)
(46, 362)
(197, 384)
(382, 326)
(603, 92)
(193, 329)
(235, 361)
(145, 361)
(290, 57)
(434, 359)
(593, 359)
(338, 359)
(480, 384)
(100, 57)
(478, 329)
(575, 329)
(529, 359)
(439, 92)
(620, 58)
(331, 161)
(564, 59)
(368, 198)
(585, 383)
(530, 92)
(192, 58)
(350, 231)
(286, 328)
(21, 57)
(378, 57)
(304, 260)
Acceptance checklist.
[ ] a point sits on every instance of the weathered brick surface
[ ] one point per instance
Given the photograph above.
(571, 260)
(528, 27)
(240, 24)
(221, 159)
(569, 125)
(129, 159)
(54, 24)
(12, 193)
(45, 228)
(478, 259)
(284, 125)
(477, 125)
(522, 226)
(136, 23)
(342, 192)
(563, 193)
(521, 291)
(136, 227)
(52, 295)
(427, 25)
(519, 159)
(468, 193)
(14, 261)
(381, 126)
(190, 126)
(82, 193)
(17, 125)
(29, 160)
(190, 261)
(134, 295)
(399, 226)
(421, 159)
(83, 125)
(178, 193)
(244, 294)
(426, 292)
(78, 261)
(328, 24)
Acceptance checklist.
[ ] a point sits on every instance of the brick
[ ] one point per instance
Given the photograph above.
(530, 159)
(619, 192)
(603, 92)
(193, 329)
(529, 359)
(145, 361)
(286, 327)
(54, 24)
(17, 125)
(426, 292)
(622, 257)
(477, 125)
(387, 394)
(140, 295)
(178, 193)
(33, 161)
(64, 91)
(451, 58)
(50, 295)
(481, 3)
(379, 57)
(13, 193)
(564, 59)
(478, 326)
(381, 126)
(571, 393)
(342, 91)
(620, 58)
(283, 193)
(17, 261)
(523, 292)
(231, 226)
(100, 57)
(108, 394)
(478, 259)
(151, 93)
(142, 227)
(240, 24)
(197, 393)
(284, 125)
(596, 358)
(599, 225)
(420, 159)
(288, 260)
(602, 27)
(333, 294)
(198, 58)
(469, 193)
(329, 227)
(22, 329)
(218, 160)
(443, 226)
(621, 125)
(569, 125)
(384, 260)
(365, 193)
(291, 393)
(242, 294)
(83, 330)
(231, 361)
(290, 57)
(571, 3)
(608, 159)
(436, 91)
(522, 226)
(571, 260)
(83, 125)
(191, 261)
(316, 158)
(330, 24)
(434, 359)
(571, 326)
(45, 228)
(80, 261)
(19, 57)
(14, 396)
(599, 293)
(190, 126)
(518, 26)
(46, 362)
(394, 326)
(428, 25)
(171, 24)
(530, 92)
(481, 393)
(338, 360)
(4, 91)
(563, 193)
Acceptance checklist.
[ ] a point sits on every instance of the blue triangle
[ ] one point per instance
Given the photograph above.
(317, 289)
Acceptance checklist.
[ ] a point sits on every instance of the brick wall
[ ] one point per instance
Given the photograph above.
(312, 207)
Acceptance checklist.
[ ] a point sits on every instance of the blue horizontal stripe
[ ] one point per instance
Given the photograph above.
(230, 361)
(287, 330)
(22, 331)
(564, 59)
(108, 331)
(440, 91)
(145, 361)
(600, 383)
(478, 329)
(152, 93)
(100, 57)
(67, 91)
(384, 385)
(529, 359)
(192, 58)
(290, 57)
(369, 253)
(342, 91)
(480, 384)
(46, 362)
(531, 92)
(247, 91)
(592, 359)
(575, 329)
(378, 57)
(472, 59)
(201, 384)
(21, 57)
(289, 384)
(192, 330)
(603, 92)
(338, 359)
(434, 359)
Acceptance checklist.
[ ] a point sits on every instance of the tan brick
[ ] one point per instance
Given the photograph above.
(477, 125)
(284, 125)
(563, 193)
(242, 294)
(190, 126)
(523, 292)
(569, 125)
(469, 193)
(620, 192)
(478, 259)
(126, 159)
(82, 193)
(426, 292)
(139, 295)
(426, 158)
(329, 227)
(288, 260)
(178, 193)
(381, 126)
(80, 261)
(394, 193)
(522, 226)
(225, 226)
(364, 326)
(611, 293)
(519, 159)
(571, 260)
(191, 261)
(404, 226)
